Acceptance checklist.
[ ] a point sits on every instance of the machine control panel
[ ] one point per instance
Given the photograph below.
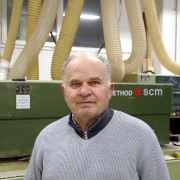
(175, 80)
(175, 114)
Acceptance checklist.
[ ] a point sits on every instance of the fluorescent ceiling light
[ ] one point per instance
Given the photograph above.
(88, 17)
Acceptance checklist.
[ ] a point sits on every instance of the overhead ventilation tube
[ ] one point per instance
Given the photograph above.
(11, 39)
(66, 38)
(156, 38)
(112, 39)
(36, 41)
(34, 7)
(138, 36)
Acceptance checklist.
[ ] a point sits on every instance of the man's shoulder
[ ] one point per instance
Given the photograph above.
(52, 134)
(133, 129)
(60, 122)
(55, 127)
(132, 123)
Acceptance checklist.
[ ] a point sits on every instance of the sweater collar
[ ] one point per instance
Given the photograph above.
(95, 128)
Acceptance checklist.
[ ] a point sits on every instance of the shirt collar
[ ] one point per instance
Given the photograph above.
(95, 128)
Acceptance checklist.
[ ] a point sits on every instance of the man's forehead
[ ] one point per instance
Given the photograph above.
(89, 65)
(89, 68)
(85, 59)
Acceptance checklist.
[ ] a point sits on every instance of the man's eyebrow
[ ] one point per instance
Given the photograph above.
(73, 80)
(96, 79)
(91, 79)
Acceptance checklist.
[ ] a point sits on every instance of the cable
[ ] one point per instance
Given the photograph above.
(53, 38)
(102, 46)
(146, 71)
(120, 13)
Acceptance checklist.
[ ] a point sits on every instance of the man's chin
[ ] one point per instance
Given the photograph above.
(86, 113)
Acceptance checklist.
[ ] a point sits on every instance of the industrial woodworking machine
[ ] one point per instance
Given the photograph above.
(26, 107)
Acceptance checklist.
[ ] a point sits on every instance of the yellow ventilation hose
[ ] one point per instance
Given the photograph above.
(112, 39)
(34, 7)
(157, 42)
(66, 38)
(11, 38)
(36, 41)
(138, 36)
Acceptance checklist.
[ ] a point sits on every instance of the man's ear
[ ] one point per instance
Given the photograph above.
(111, 89)
(63, 91)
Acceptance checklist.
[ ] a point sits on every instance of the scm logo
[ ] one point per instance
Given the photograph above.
(153, 92)
(138, 92)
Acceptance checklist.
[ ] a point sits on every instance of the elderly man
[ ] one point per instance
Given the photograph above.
(95, 142)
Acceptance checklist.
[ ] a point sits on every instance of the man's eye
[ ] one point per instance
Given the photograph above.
(75, 84)
(94, 82)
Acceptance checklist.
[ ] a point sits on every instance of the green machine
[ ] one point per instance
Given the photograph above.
(150, 102)
(26, 107)
(175, 81)
(171, 152)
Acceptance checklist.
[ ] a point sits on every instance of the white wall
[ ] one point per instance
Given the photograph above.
(167, 22)
(169, 29)
(178, 33)
(45, 58)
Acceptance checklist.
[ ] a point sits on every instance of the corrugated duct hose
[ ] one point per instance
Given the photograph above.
(155, 35)
(36, 41)
(112, 38)
(66, 38)
(138, 36)
(34, 7)
(11, 38)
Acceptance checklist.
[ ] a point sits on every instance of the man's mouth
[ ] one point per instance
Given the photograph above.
(85, 102)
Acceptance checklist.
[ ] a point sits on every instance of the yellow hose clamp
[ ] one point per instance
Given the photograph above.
(177, 155)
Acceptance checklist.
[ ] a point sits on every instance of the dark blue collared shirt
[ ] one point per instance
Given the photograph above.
(95, 128)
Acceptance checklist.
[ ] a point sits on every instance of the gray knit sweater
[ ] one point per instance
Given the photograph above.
(126, 149)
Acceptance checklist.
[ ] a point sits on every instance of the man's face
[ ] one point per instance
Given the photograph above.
(86, 89)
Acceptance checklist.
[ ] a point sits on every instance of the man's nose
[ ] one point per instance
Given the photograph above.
(85, 90)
